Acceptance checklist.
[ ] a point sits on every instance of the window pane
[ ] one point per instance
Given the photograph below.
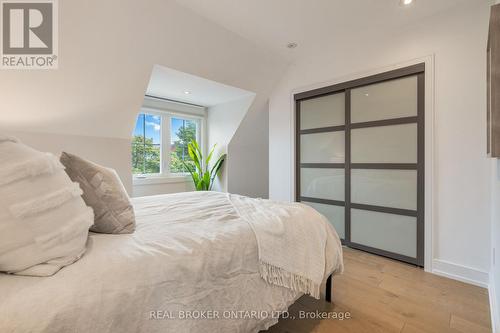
(390, 99)
(334, 214)
(384, 144)
(390, 232)
(146, 145)
(387, 188)
(322, 183)
(182, 132)
(137, 145)
(322, 111)
(326, 147)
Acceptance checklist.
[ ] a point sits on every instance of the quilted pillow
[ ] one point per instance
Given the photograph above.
(104, 192)
(44, 222)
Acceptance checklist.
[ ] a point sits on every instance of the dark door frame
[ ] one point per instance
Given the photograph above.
(345, 87)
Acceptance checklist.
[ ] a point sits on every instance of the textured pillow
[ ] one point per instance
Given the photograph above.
(44, 222)
(104, 192)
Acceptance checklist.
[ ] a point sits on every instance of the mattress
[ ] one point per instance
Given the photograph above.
(190, 266)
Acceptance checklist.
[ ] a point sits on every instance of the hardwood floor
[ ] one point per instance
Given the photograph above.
(384, 295)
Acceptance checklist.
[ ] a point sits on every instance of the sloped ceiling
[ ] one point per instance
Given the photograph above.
(107, 52)
(179, 86)
(274, 23)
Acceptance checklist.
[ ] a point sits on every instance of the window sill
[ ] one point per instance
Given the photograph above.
(150, 180)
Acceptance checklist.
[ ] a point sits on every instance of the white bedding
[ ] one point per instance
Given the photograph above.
(190, 252)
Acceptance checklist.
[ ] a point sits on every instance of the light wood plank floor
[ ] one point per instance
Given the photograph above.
(384, 295)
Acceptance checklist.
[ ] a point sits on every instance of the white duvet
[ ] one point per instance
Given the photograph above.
(191, 266)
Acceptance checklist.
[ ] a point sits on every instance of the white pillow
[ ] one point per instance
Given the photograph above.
(44, 221)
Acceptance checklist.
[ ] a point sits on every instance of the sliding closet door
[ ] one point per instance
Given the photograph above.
(384, 168)
(321, 151)
(360, 160)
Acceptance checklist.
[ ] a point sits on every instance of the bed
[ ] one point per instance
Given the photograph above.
(191, 266)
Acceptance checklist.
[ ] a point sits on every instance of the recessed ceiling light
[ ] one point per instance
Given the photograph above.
(406, 2)
(292, 45)
(187, 92)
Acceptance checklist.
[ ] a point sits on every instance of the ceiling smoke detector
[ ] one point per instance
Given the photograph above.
(292, 45)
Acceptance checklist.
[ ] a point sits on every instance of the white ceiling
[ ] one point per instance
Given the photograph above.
(310, 23)
(169, 83)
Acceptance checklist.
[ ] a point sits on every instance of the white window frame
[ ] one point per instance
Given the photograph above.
(165, 136)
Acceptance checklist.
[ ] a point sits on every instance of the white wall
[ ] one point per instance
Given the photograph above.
(457, 39)
(85, 146)
(244, 136)
(170, 186)
(248, 153)
(495, 242)
(222, 123)
(107, 51)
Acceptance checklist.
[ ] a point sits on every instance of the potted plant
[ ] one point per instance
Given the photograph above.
(203, 176)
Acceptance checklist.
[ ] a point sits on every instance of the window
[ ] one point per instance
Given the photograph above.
(160, 141)
(146, 145)
(182, 131)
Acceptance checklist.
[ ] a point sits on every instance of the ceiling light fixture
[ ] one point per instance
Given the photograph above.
(187, 92)
(406, 2)
(292, 45)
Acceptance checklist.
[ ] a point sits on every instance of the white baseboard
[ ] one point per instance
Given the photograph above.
(475, 277)
(461, 273)
(494, 310)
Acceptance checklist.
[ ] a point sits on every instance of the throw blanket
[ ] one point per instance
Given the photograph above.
(292, 241)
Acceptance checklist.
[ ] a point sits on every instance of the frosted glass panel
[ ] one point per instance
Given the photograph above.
(322, 111)
(391, 99)
(334, 214)
(384, 144)
(326, 147)
(394, 233)
(322, 183)
(388, 188)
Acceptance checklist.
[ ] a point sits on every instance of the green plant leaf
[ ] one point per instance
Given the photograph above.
(196, 178)
(206, 180)
(218, 165)
(197, 151)
(216, 168)
(197, 146)
(203, 179)
(194, 156)
(207, 161)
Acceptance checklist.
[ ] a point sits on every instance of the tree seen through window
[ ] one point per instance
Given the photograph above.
(146, 144)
